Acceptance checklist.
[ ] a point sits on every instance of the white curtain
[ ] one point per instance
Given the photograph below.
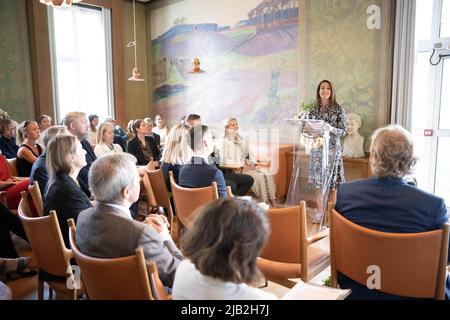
(402, 80)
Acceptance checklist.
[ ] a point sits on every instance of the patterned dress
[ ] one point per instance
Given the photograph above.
(337, 118)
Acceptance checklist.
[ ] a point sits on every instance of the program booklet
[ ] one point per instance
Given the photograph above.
(305, 291)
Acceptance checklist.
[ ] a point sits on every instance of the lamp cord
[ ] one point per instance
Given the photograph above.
(134, 28)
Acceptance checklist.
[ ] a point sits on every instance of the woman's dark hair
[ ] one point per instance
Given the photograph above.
(226, 239)
(333, 101)
(91, 118)
(136, 125)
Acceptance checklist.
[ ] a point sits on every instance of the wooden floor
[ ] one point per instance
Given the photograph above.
(26, 288)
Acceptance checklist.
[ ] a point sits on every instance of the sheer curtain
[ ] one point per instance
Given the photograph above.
(82, 64)
(403, 65)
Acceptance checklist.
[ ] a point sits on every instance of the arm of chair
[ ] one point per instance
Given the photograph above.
(263, 164)
(277, 269)
(229, 192)
(156, 284)
(318, 236)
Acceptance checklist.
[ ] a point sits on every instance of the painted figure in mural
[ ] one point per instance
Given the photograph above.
(272, 95)
(353, 142)
(196, 67)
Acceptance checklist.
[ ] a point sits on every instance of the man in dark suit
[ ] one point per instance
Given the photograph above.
(240, 183)
(108, 231)
(198, 173)
(78, 125)
(386, 202)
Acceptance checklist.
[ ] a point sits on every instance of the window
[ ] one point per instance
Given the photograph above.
(430, 114)
(445, 19)
(81, 57)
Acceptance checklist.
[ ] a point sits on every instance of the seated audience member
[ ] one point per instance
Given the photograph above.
(9, 222)
(92, 131)
(221, 249)
(161, 129)
(120, 136)
(105, 139)
(39, 170)
(65, 158)
(234, 150)
(240, 183)
(155, 136)
(386, 202)
(143, 147)
(44, 122)
(177, 152)
(78, 125)
(193, 120)
(30, 149)
(11, 185)
(8, 144)
(108, 231)
(198, 173)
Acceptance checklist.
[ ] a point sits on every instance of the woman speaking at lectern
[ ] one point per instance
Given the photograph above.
(328, 110)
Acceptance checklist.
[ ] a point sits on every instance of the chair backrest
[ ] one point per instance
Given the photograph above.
(37, 198)
(162, 195)
(12, 165)
(287, 234)
(44, 236)
(151, 202)
(24, 206)
(122, 278)
(188, 200)
(410, 265)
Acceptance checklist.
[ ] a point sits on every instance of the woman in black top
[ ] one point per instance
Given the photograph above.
(143, 147)
(29, 150)
(65, 158)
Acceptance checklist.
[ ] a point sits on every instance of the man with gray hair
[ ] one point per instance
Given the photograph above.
(386, 202)
(78, 125)
(108, 231)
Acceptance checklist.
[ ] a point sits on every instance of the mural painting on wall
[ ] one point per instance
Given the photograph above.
(248, 62)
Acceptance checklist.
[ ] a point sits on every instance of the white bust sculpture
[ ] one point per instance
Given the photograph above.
(353, 141)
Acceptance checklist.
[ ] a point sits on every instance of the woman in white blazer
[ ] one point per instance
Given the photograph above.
(105, 138)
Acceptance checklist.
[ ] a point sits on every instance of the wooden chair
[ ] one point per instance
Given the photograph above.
(288, 253)
(52, 256)
(37, 198)
(161, 194)
(125, 278)
(149, 194)
(12, 165)
(411, 265)
(188, 200)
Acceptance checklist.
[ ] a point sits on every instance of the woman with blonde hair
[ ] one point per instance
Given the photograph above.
(234, 150)
(28, 134)
(176, 153)
(65, 158)
(105, 139)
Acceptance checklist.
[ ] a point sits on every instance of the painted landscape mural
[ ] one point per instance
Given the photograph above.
(248, 64)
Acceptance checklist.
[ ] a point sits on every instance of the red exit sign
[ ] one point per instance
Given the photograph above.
(428, 132)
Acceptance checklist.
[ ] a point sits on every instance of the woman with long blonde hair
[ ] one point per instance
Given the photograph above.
(234, 150)
(176, 152)
(105, 141)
